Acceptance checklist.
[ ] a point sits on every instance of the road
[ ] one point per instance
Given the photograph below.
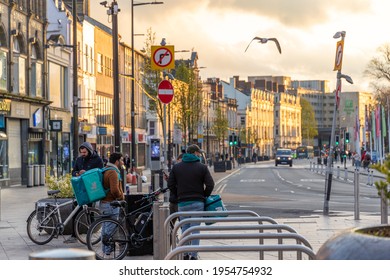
(283, 191)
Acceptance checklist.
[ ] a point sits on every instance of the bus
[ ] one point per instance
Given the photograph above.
(305, 152)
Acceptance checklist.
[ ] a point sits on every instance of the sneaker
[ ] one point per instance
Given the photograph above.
(186, 257)
(71, 239)
(194, 258)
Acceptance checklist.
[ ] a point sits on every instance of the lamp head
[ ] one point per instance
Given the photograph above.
(103, 3)
(346, 77)
(163, 42)
(339, 34)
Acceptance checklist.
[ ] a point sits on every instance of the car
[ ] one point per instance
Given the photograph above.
(283, 156)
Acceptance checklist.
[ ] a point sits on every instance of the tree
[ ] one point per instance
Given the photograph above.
(309, 123)
(220, 126)
(187, 100)
(378, 69)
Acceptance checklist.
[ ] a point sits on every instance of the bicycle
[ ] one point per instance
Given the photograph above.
(45, 222)
(129, 229)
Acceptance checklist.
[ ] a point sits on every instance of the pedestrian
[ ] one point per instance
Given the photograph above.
(111, 181)
(357, 160)
(173, 207)
(127, 162)
(191, 182)
(87, 160)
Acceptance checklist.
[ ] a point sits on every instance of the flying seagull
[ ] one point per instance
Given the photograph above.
(265, 40)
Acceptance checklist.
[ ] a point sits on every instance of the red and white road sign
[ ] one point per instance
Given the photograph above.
(165, 91)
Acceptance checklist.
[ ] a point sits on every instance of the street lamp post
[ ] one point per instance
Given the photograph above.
(132, 106)
(329, 170)
(113, 11)
(75, 87)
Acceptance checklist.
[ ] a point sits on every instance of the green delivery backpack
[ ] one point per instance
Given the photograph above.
(88, 187)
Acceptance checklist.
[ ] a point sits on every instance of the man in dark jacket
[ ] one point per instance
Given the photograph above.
(87, 160)
(191, 182)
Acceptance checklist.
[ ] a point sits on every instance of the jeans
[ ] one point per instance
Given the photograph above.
(194, 206)
(108, 229)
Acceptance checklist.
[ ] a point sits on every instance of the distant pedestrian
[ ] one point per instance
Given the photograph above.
(191, 182)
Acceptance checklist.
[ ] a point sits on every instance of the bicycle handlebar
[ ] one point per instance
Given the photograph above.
(152, 195)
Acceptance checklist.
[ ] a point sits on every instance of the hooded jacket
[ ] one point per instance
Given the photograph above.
(93, 160)
(190, 180)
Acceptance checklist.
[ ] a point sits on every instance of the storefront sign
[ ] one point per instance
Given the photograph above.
(85, 128)
(56, 125)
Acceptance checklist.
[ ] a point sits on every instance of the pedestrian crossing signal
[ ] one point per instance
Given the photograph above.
(230, 140)
(346, 137)
(337, 140)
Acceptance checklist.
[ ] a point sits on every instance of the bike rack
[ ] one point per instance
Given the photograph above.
(279, 235)
(170, 236)
(227, 248)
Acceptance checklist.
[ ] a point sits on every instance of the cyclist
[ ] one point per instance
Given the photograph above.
(112, 181)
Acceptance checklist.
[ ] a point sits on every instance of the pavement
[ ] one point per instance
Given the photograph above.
(16, 203)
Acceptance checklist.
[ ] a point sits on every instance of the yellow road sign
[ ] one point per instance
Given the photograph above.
(163, 57)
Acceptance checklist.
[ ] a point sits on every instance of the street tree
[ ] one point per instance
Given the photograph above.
(378, 69)
(220, 127)
(308, 121)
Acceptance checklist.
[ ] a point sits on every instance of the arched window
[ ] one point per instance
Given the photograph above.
(36, 74)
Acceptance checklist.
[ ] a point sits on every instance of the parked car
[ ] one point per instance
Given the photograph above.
(283, 156)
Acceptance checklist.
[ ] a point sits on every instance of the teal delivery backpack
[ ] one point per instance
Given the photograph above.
(88, 187)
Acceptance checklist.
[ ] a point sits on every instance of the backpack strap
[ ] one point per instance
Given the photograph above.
(112, 168)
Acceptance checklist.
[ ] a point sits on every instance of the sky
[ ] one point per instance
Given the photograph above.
(220, 30)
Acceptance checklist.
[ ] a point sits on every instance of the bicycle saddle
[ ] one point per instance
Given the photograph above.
(53, 192)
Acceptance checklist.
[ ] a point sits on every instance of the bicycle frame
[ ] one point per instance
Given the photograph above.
(56, 211)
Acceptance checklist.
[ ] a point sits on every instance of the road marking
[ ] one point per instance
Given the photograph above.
(221, 188)
(312, 180)
(252, 180)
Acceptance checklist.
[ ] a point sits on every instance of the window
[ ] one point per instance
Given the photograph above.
(3, 70)
(19, 75)
(36, 75)
(152, 128)
(100, 63)
(58, 89)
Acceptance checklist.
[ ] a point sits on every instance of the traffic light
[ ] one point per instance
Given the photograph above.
(230, 140)
(337, 139)
(235, 142)
(346, 137)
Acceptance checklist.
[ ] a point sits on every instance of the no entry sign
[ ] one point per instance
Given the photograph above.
(165, 91)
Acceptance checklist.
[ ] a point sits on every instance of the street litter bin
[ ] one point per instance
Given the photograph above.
(42, 170)
(228, 165)
(30, 176)
(36, 175)
(219, 166)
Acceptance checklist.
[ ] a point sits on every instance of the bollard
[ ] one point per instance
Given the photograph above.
(338, 172)
(356, 195)
(164, 213)
(322, 168)
(345, 174)
(318, 168)
(310, 165)
(139, 183)
(156, 227)
(63, 254)
(384, 208)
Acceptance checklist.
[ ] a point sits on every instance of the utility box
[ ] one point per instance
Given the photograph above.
(42, 174)
(36, 175)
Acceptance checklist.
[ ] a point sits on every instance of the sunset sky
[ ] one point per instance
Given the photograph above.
(220, 30)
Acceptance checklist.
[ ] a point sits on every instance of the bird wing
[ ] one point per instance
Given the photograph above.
(277, 44)
(255, 38)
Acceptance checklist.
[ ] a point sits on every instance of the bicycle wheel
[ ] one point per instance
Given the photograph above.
(108, 239)
(83, 221)
(41, 231)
